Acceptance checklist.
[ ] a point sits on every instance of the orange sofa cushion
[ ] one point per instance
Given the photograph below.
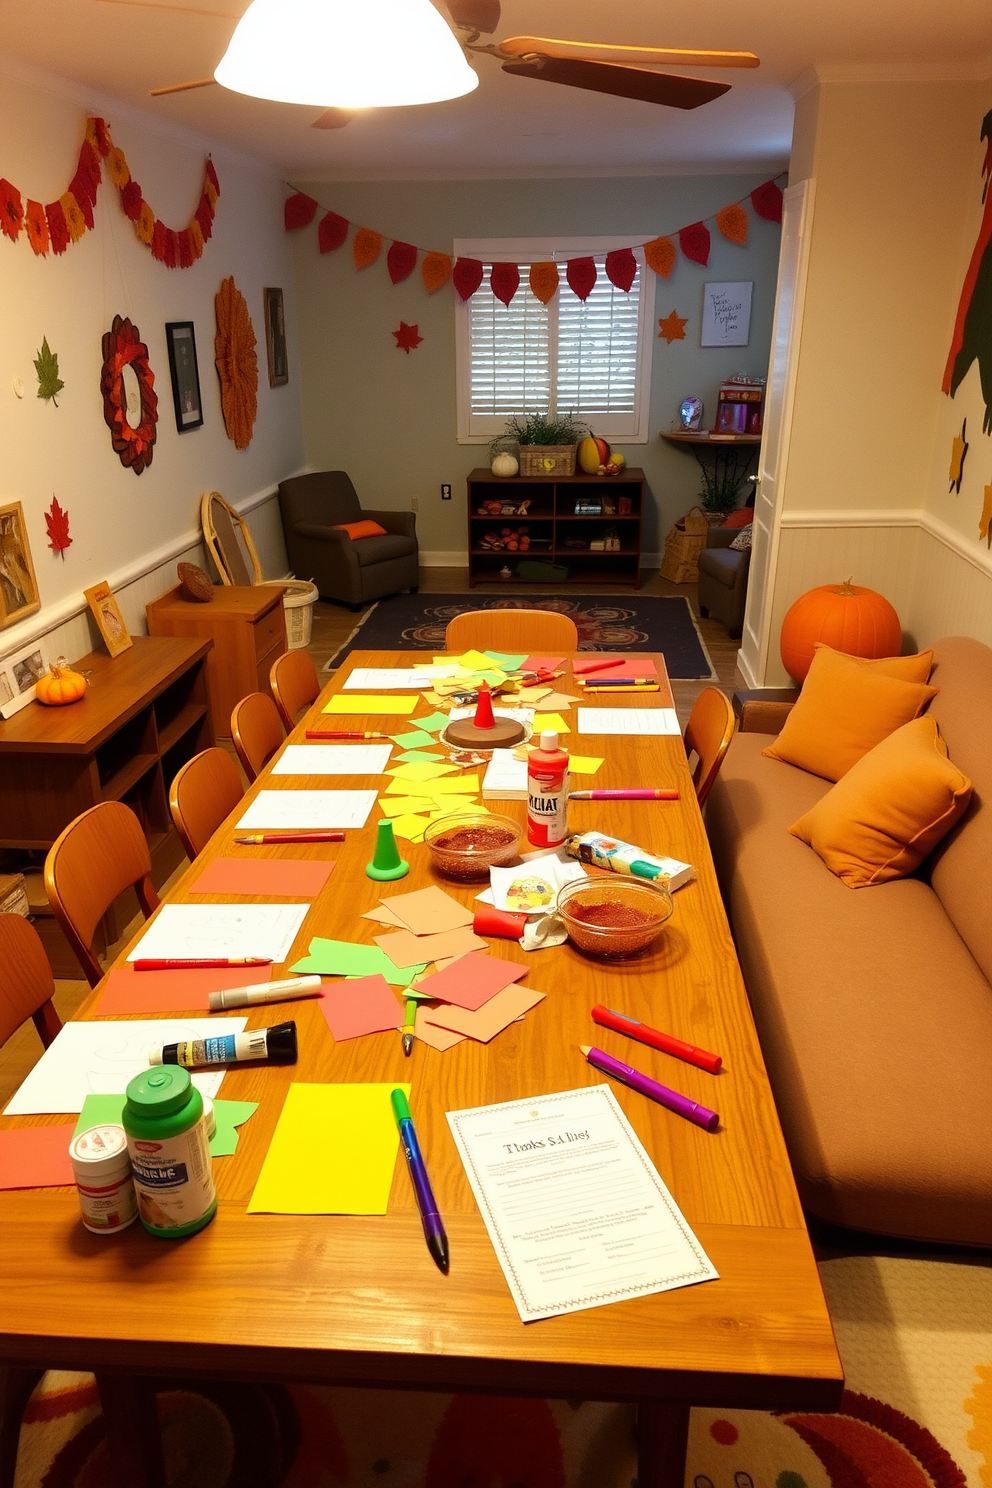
(890, 810)
(361, 529)
(846, 707)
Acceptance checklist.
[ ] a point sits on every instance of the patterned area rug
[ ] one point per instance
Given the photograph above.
(915, 1337)
(417, 622)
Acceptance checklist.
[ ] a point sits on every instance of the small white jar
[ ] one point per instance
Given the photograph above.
(102, 1169)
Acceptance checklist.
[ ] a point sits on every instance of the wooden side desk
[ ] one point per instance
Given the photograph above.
(357, 1300)
(247, 625)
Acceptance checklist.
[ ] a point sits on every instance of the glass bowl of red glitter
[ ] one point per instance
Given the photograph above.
(467, 844)
(612, 915)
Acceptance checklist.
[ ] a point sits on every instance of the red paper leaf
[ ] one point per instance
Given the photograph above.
(57, 522)
(299, 211)
(331, 232)
(79, 188)
(401, 260)
(204, 215)
(131, 199)
(694, 241)
(58, 228)
(158, 241)
(211, 175)
(504, 281)
(408, 337)
(766, 200)
(466, 276)
(184, 249)
(581, 276)
(621, 268)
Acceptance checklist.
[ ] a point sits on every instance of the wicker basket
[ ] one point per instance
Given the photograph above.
(683, 546)
(547, 459)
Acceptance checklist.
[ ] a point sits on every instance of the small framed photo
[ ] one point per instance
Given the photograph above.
(726, 314)
(275, 337)
(18, 585)
(108, 618)
(19, 673)
(185, 375)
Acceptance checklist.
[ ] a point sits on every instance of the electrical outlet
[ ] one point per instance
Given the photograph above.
(445, 493)
(415, 503)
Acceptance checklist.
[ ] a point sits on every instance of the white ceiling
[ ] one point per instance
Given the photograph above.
(511, 126)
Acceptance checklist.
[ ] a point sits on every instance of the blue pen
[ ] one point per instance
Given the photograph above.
(437, 1240)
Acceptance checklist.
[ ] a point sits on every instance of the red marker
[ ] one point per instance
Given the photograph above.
(200, 963)
(635, 1029)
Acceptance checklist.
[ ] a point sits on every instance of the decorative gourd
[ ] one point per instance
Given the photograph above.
(60, 685)
(504, 465)
(856, 621)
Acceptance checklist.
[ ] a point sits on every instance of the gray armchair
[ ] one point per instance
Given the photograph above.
(723, 579)
(351, 572)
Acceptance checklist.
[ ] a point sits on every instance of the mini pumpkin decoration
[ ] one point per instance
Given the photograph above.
(504, 465)
(856, 621)
(60, 685)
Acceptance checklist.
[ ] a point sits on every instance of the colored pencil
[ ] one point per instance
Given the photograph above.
(624, 795)
(619, 681)
(342, 734)
(256, 838)
(186, 963)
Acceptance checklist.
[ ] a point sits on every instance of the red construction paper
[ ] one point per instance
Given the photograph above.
(401, 260)
(766, 200)
(504, 281)
(621, 268)
(273, 878)
(152, 992)
(36, 1157)
(467, 276)
(472, 980)
(299, 210)
(694, 241)
(360, 1005)
(331, 232)
(542, 663)
(581, 276)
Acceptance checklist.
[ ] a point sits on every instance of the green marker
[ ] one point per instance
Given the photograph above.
(437, 1240)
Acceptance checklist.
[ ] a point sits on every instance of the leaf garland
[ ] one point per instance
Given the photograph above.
(46, 364)
(51, 228)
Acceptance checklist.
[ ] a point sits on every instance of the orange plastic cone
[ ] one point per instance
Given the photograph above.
(484, 708)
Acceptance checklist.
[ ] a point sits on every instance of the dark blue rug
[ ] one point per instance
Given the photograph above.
(608, 622)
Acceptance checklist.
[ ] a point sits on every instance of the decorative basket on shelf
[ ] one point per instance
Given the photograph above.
(545, 460)
(683, 546)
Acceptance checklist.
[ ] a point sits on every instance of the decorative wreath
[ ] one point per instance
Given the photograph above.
(237, 363)
(123, 347)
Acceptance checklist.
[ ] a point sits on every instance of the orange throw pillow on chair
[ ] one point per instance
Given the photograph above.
(890, 810)
(846, 707)
(367, 528)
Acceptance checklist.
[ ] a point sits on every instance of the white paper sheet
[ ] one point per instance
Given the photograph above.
(388, 679)
(575, 1209)
(554, 869)
(333, 759)
(628, 721)
(313, 809)
(505, 778)
(100, 1058)
(186, 931)
(519, 715)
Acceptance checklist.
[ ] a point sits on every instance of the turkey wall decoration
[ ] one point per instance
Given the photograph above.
(130, 402)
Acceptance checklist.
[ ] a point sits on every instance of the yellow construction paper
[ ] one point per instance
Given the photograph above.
(583, 764)
(333, 1152)
(404, 805)
(549, 721)
(465, 785)
(421, 770)
(411, 827)
(458, 808)
(360, 702)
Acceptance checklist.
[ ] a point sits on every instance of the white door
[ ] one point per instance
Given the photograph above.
(758, 655)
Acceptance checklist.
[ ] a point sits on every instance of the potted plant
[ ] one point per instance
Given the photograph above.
(547, 445)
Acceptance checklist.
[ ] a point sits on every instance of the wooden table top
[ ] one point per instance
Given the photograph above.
(358, 1299)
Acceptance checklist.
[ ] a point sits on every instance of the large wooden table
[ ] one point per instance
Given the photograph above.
(358, 1300)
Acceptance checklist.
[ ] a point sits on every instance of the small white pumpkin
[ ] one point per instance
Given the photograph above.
(504, 465)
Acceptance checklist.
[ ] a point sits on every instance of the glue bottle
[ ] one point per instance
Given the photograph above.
(547, 792)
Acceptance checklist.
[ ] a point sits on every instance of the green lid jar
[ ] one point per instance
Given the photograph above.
(169, 1152)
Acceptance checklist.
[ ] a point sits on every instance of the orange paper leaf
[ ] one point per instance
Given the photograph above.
(732, 222)
(544, 281)
(660, 255)
(366, 247)
(435, 271)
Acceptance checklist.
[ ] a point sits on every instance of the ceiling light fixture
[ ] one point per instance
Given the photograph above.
(345, 54)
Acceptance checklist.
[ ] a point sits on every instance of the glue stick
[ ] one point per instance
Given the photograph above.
(547, 792)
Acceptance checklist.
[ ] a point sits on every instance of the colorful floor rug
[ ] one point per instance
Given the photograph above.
(606, 622)
(915, 1337)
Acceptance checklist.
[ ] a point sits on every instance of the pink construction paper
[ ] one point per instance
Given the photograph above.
(472, 980)
(542, 663)
(489, 1020)
(150, 992)
(631, 666)
(405, 949)
(440, 1039)
(271, 878)
(36, 1156)
(360, 1005)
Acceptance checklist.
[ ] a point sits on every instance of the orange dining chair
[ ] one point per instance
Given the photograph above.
(257, 731)
(97, 856)
(206, 790)
(511, 630)
(707, 735)
(294, 684)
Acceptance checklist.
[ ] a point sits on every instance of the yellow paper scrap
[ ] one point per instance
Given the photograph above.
(404, 805)
(411, 827)
(458, 807)
(474, 661)
(434, 698)
(550, 721)
(360, 702)
(465, 785)
(421, 770)
(333, 1152)
(583, 764)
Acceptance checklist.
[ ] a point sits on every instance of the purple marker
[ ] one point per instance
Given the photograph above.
(670, 1099)
(437, 1240)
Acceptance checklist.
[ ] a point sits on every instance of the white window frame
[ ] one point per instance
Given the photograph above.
(625, 428)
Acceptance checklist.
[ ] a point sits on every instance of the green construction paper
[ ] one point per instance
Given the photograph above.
(411, 756)
(103, 1110)
(346, 958)
(493, 678)
(413, 739)
(507, 663)
(435, 722)
(100, 1110)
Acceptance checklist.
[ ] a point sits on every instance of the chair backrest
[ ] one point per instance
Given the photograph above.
(540, 631)
(257, 731)
(26, 983)
(707, 735)
(206, 790)
(326, 497)
(98, 856)
(228, 538)
(294, 684)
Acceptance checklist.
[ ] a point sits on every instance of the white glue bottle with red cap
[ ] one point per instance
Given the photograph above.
(547, 792)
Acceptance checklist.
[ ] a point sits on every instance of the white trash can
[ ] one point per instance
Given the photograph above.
(298, 602)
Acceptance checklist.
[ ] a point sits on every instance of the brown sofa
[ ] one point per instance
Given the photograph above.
(873, 1005)
(723, 573)
(352, 573)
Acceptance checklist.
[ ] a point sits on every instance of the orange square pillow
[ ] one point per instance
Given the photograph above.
(367, 528)
(846, 707)
(890, 809)
(915, 668)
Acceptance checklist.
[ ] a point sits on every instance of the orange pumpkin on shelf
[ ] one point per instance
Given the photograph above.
(848, 618)
(60, 685)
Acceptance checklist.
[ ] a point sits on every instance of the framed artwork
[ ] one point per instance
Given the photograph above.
(19, 673)
(275, 337)
(726, 314)
(185, 375)
(108, 618)
(18, 585)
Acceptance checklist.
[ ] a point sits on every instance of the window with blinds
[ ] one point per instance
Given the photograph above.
(590, 358)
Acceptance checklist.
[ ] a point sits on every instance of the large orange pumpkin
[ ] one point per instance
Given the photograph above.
(844, 616)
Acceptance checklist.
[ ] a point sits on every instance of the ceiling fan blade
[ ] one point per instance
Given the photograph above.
(475, 15)
(181, 87)
(597, 51)
(216, 15)
(621, 82)
(333, 118)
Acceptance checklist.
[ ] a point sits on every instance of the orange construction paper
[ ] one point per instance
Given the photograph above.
(732, 222)
(472, 980)
(36, 1157)
(435, 271)
(406, 949)
(544, 281)
(486, 1022)
(360, 1005)
(436, 1038)
(384, 916)
(660, 255)
(366, 247)
(273, 878)
(428, 912)
(149, 992)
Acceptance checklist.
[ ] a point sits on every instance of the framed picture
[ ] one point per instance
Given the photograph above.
(275, 337)
(726, 314)
(109, 618)
(18, 674)
(185, 375)
(18, 585)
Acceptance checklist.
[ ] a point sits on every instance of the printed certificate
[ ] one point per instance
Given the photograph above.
(576, 1210)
